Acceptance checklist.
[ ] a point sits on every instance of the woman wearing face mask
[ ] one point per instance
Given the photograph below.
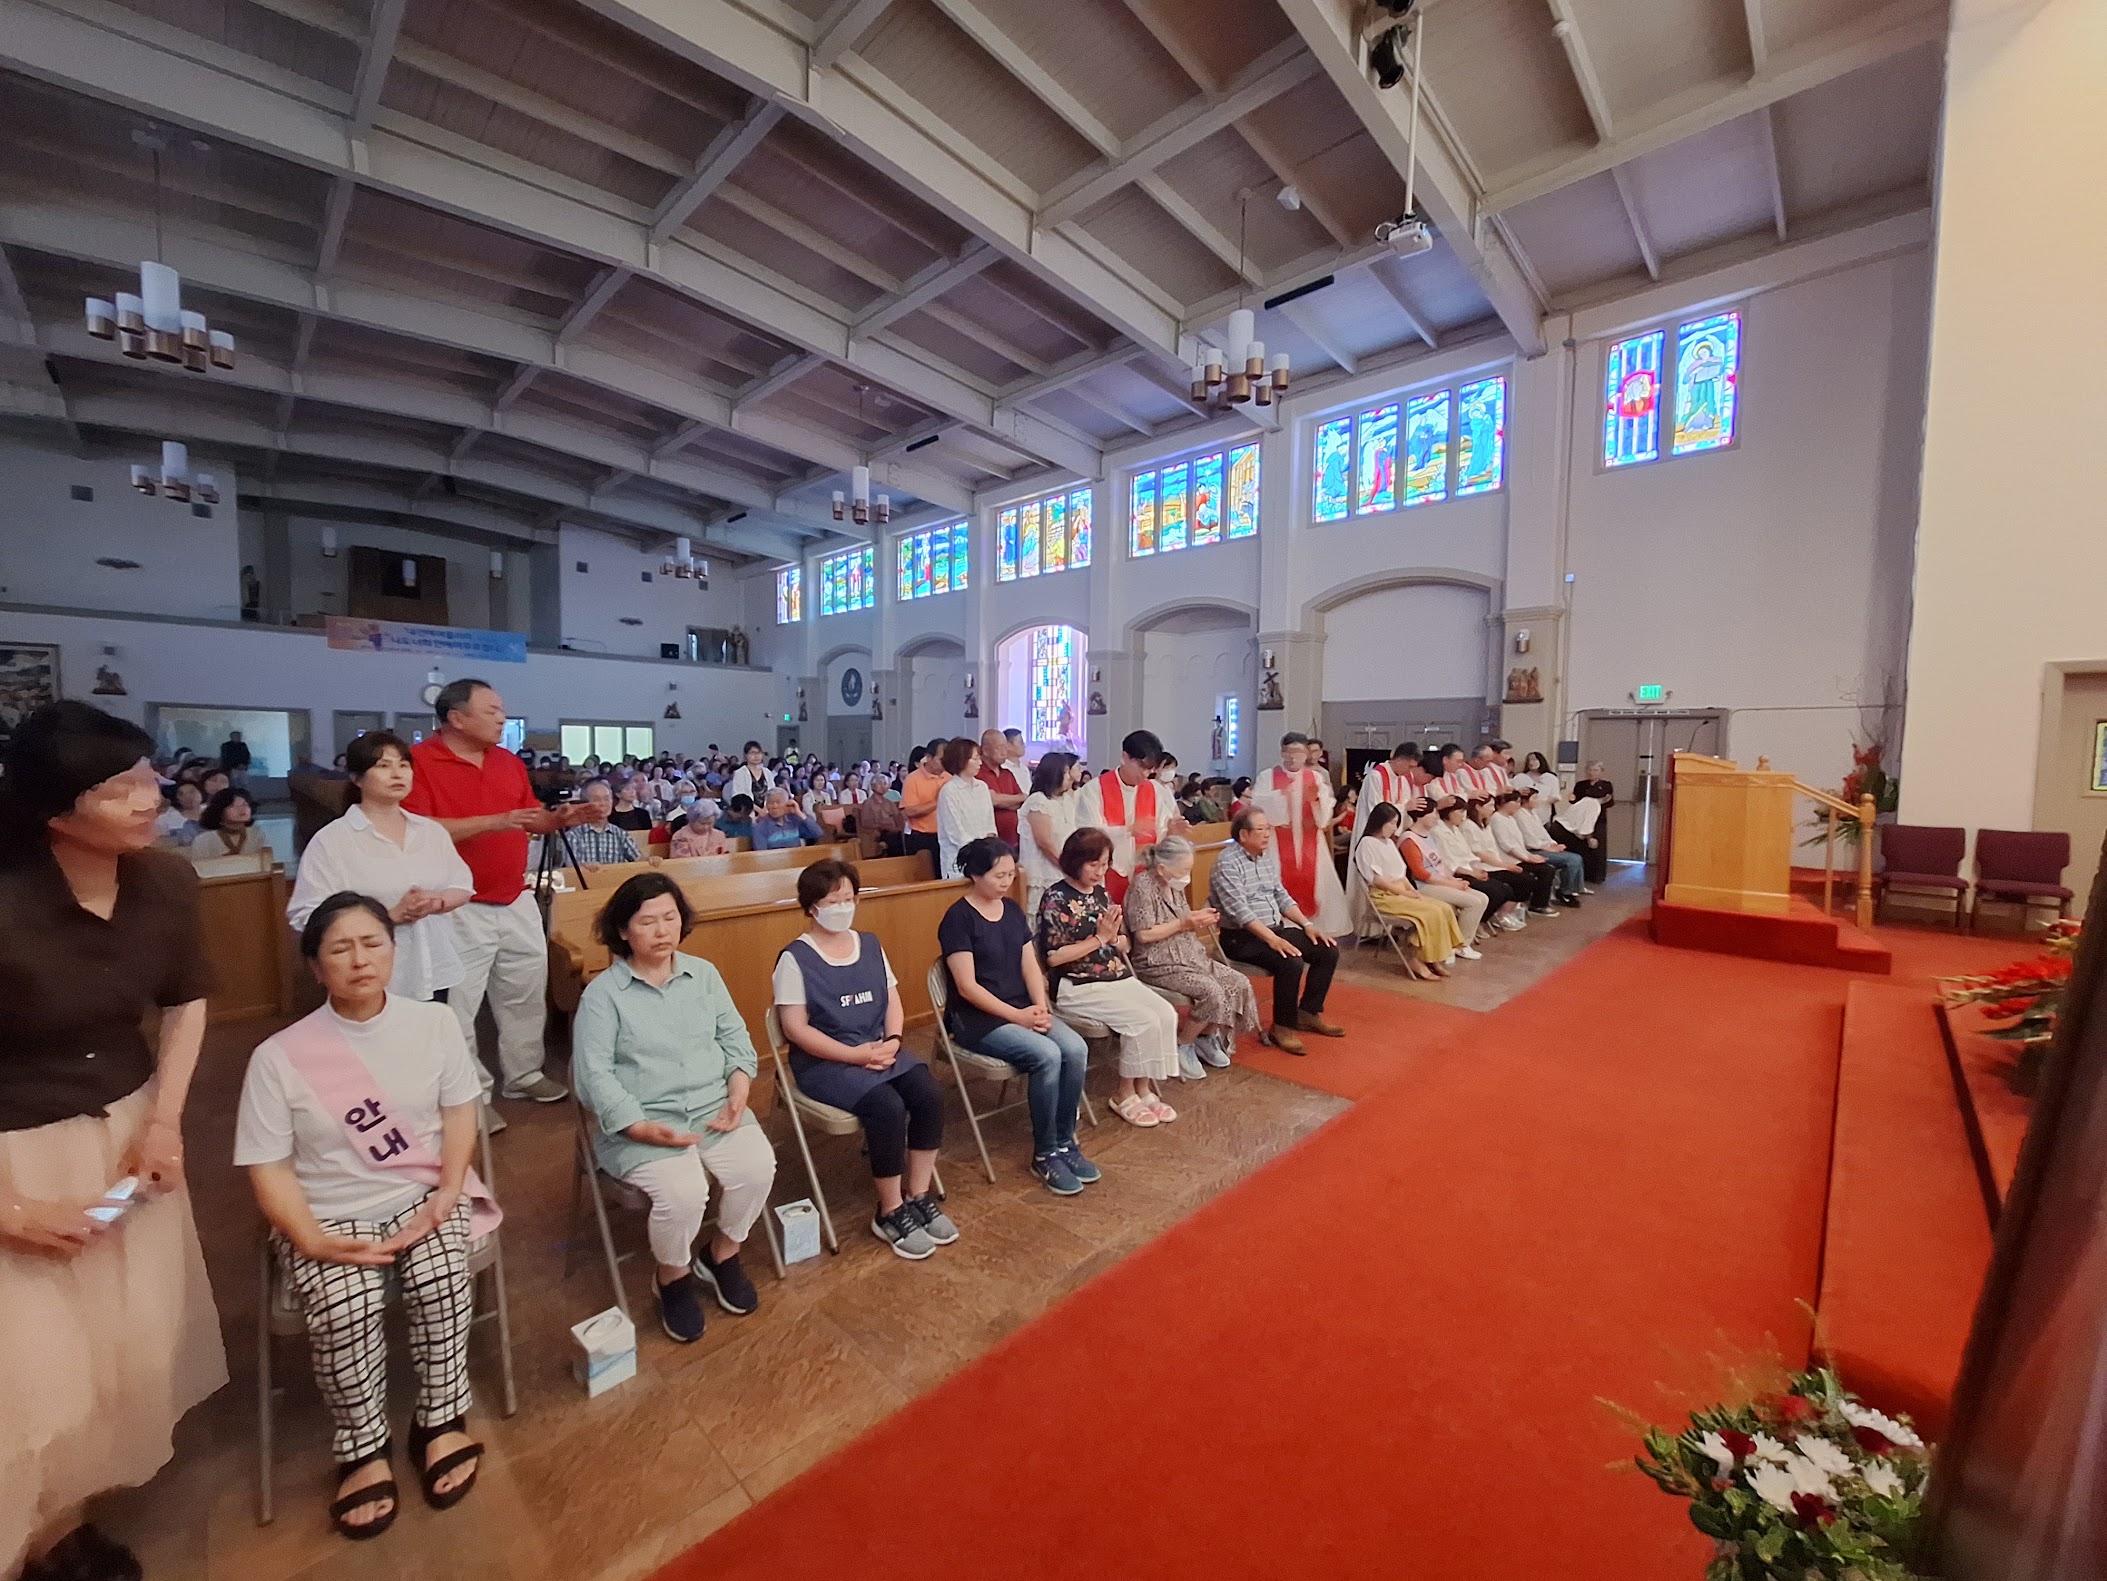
(840, 1008)
(1083, 940)
(1168, 953)
(965, 807)
(1045, 822)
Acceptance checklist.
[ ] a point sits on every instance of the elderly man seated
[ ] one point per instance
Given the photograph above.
(1262, 926)
(596, 842)
(781, 825)
(881, 828)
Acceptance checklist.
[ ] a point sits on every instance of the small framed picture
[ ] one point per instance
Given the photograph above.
(29, 678)
(2098, 786)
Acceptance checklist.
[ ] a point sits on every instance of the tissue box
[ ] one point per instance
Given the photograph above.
(800, 1221)
(606, 1352)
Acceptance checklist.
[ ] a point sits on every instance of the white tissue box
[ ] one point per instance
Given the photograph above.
(800, 1221)
(606, 1352)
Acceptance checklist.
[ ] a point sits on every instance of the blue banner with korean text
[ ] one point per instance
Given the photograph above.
(453, 642)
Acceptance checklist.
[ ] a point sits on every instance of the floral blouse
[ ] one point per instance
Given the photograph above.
(1068, 916)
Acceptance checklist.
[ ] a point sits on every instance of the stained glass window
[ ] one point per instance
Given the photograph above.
(932, 562)
(1170, 509)
(1006, 546)
(1707, 372)
(1141, 525)
(1376, 488)
(1028, 541)
(1053, 537)
(1427, 448)
(789, 595)
(1041, 537)
(1481, 437)
(1243, 491)
(1207, 500)
(1333, 470)
(848, 581)
(1631, 400)
(1079, 528)
(1232, 726)
(1051, 684)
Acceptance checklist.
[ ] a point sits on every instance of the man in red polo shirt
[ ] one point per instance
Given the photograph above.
(996, 774)
(480, 795)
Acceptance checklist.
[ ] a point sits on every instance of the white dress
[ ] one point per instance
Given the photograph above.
(1041, 871)
(965, 812)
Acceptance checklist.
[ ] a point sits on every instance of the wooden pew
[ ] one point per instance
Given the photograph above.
(242, 918)
(686, 867)
(1208, 833)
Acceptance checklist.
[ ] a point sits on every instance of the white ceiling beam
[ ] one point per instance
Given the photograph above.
(1200, 227)
(726, 152)
(1767, 128)
(1647, 255)
(1566, 29)
(780, 377)
(1041, 83)
(1287, 65)
(449, 517)
(516, 386)
(1446, 192)
(1387, 272)
(1081, 366)
(336, 214)
(914, 436)
(1759, 37)
(1110, 409)
(375, 57)
(588, 307)
(1869, 37)
(1328, 343)
(106, 58)
(13, 303)
(842, 29)
(926, 286)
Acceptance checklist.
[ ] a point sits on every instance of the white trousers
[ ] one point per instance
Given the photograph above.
(504, 957)
(1469, 905)
(1146, 1022)
(742, 1164)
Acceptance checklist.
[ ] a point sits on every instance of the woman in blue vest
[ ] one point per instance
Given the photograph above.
(840, 1007)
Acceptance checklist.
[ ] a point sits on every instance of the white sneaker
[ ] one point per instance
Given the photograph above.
(1211, 1051)
(1189, 1066)
(1466, 953)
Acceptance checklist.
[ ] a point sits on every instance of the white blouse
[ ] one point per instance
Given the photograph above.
(351, 854)
(965, 812)
(1456, 846)
(1380, 860)
(1040, 870)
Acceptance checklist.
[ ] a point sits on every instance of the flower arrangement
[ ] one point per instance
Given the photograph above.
(1798, 1484)
(2027, 996)
(1868, 777)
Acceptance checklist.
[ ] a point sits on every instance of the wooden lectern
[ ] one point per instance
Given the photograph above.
(1729, 836)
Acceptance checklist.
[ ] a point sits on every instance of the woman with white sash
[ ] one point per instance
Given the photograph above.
(357, 1126)
(1298, 800)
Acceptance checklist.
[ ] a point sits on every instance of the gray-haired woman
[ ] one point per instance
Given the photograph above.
(1169, 953)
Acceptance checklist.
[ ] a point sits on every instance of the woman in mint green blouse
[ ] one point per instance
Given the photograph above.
(662, 1058)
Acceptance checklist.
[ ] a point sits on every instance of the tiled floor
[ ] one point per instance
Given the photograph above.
(609, 1488)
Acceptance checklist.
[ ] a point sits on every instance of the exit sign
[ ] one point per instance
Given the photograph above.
(1651, 694)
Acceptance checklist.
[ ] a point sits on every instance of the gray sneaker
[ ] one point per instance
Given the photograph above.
(936, 1224)
(1211, 1051)
(902, 1230)
(538, 1089)
(1189, 1066)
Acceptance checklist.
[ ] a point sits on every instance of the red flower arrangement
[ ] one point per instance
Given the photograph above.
(2028, 996)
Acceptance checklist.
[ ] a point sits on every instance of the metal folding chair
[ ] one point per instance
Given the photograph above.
(279, 1314)
(986, 1066)
(833, 1121)
(589, 1180)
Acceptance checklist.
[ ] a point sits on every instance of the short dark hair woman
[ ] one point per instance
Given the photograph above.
(227, 827)
(661, 1058)
(113, 1332)
(840, 1007)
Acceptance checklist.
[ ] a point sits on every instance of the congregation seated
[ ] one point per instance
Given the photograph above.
(1522, 835)
(698, 834)
(1503, 903)
(178, 824)
(1168, 953)
(663, 1061)
(1526, 874)
(597, 841)
(1577, 823)
(227, 827)
(629, 810)
(1427, 861)
(1001, 1007)
(737, 821)
(1262, 926)
(782, 826)
(1380, 873)
(1083, 941)
(358, 1126)
(839, 1004)
(881, 828)
(965, 806)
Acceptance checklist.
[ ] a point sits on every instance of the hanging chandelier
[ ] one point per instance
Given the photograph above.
(152, 324)
(174, 481)
(857, 502)
(682, 566)
(1247, 375)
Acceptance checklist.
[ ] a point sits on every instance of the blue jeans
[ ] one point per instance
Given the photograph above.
(1052, 1064)
(1568, 865)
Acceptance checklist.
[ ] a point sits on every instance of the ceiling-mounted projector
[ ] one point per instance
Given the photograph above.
(1407, 237)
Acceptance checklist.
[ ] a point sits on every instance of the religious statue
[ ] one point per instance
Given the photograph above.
(108, 683)
(1524, 687)
(1218, 741)
(972, 709)
(1270, 698)
(802, 716)
(877, 704)
(1097, 703)
(739, 645)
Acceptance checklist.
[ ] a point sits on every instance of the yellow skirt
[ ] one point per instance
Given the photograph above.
(1439, 937)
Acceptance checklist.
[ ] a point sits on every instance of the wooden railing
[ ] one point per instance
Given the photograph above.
(1864, 815)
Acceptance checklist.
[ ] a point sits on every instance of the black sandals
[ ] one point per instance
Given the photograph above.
(421, 1439)
(374, 1493)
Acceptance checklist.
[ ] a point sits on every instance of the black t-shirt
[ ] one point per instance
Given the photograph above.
(997, 949)
(75, 986)
(637, 820)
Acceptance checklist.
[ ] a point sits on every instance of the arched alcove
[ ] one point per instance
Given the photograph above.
(933, 674)
(1406, 654)
(1040, 685)
(1199, 660)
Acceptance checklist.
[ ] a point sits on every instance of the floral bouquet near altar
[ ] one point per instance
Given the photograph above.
(1868, 777)
(2026, 996)
(1803, 1483)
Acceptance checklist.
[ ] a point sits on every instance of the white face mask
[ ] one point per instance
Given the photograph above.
(836, 918)
(1178, 882)
(1167, 776)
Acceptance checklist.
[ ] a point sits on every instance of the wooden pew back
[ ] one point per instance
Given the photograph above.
(241, 918)
(682, 868)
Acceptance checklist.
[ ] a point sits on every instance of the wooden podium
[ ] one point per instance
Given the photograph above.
(1729, 836)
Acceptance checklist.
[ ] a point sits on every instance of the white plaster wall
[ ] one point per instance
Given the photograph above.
(321, 584)
(2011, 555)
(49, 542)
(936, 691)
(1772, 578)
(596, 600)
(1424, 640)
(1062, 599)
(1225, 572)
(1182, 674)
(1454, 535)
(859, 660)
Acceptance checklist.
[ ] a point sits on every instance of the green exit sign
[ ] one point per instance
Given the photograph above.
(1651, 694)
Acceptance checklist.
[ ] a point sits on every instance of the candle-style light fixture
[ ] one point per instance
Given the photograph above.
(682, 565)
(173, 481)
(152, 324)
(1247, 374)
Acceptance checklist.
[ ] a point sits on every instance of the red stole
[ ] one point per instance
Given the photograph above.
(1299, 846)
(1396, 788)
(1112, 791)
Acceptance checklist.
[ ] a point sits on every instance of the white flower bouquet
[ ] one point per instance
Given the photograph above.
(1803, 1484)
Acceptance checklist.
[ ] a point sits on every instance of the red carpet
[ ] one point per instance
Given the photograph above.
(1805, 935)
(1381, 1355)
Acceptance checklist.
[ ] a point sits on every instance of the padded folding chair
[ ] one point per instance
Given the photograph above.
(986, 1066)
(832, 1121)
(279, 1315)
(589, 1180)
(2022, 867)
(1922, 859)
